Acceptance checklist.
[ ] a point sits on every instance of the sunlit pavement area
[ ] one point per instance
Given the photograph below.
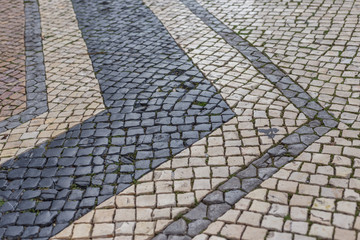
(180, 119)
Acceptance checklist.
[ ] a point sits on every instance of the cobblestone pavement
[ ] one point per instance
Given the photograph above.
(12, 90)
(179, 119)
(23, 92)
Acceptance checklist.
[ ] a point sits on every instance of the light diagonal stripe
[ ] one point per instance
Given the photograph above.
(73, 91)
(160, 196)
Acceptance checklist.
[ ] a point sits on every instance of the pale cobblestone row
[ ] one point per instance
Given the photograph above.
(264, 117)
(316, 43)
(72, 90)
(314, 197)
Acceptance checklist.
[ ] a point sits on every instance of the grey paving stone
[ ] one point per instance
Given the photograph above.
(87, 203)
(30, 232)
(299, 102)
(45, 218)
(30, 183)
(177, 227)
(9, 219)
(199, 212)
(314, 123)
(216, 210)
(197, 226)
(321, 130)
(304, 130)
(330, 123)
(214, 197)
(232, 183)
(249, 184)
(291, 139)
(57, 205)
(248, 172)
(179, 238)
(314, 105)
(43, 205)
(309, 112)
(16, 173)
(265, 173)
(281, 161)
(269, 132)
(160, 237)
(231, 197)
(29, 194)
(65, 216)
(71, 205)
(26, 205)
(31, 172)
(276, 151)
(45, 232)
(58, 228)
(324, 115)
(63, 194)
(296, 149)
(26, 219)
(13, 231)
(309, 139)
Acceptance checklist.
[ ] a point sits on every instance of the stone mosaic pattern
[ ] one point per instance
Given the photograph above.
(292, 145)
(220, 201)
(173, 188)
(157, 104)
(315, 42)
(185, 119)
(73, 92)
(314, 197)
(12, 58)
(34, 72)
(289, 88)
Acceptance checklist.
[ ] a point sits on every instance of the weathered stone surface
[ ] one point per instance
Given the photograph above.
(178, 227)
(216, 210)
(199, 212)
(158, 103)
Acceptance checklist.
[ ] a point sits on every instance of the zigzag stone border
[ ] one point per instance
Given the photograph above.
(227, 194)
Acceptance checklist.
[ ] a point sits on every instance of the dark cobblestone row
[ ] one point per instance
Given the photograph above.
(157, 103)
(226, 195)
(36, 97)
(291, 90)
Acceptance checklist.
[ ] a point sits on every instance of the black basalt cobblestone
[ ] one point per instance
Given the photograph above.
(151, 91)
(36, 97)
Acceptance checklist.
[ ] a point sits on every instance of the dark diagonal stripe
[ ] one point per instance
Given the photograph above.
(158, 103)
(290, 89)
(36, 96)
(225, 196)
